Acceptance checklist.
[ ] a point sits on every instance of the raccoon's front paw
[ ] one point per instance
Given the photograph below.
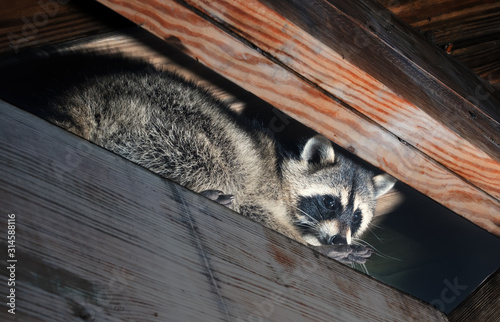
(347, 254)
(220, 197)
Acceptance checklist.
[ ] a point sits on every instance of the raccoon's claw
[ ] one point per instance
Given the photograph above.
(219, 197)
(347, 254)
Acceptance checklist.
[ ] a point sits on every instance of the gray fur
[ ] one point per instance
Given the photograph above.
(180, 131)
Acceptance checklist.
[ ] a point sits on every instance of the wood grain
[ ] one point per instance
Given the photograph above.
(302, 100)
(365, 33)
(30, 23)
(326, 68)
(99, 238)
(470, 26)
(485, 297)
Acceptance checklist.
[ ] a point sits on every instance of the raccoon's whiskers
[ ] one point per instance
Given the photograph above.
(371, 230)
(378, 226)
(316, 222)
(365, 269)
(360, 267)
(358, 241)
(319, 211)
(311, 225)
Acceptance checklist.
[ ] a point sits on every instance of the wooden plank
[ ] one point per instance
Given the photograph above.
(28, 23)
(365, 33)
(483, 59)
(482, 305)
(470, 26)
(99, 238)
(280, 85)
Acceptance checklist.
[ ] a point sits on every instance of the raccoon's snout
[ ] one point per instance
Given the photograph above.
(333, 240)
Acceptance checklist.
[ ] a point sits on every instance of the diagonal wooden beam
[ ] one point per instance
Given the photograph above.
(321, 61)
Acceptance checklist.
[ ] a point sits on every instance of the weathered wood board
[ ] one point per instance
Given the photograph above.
(439, 162)
(470, 26)
(99, 238)
(466, 29)
(30, 23)
(308, 56)
(482, 305)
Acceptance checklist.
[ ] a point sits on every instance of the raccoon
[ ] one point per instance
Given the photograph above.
(182, 132)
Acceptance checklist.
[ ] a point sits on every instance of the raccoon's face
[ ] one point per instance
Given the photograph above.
(333, 198)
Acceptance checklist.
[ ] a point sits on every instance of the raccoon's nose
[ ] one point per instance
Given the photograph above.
(333, 240)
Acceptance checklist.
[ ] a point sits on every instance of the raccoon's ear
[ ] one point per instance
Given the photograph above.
(383, 183)
(319, 150)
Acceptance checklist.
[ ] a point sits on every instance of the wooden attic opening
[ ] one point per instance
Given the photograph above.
(439, 124)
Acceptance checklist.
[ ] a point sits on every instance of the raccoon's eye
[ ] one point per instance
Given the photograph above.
(329, 202)
(356, 217)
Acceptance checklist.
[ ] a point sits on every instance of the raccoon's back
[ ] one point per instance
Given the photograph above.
(163, 123)
(156, 119)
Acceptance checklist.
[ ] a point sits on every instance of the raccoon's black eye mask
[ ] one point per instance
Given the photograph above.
(324, 207)
(321, 207)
